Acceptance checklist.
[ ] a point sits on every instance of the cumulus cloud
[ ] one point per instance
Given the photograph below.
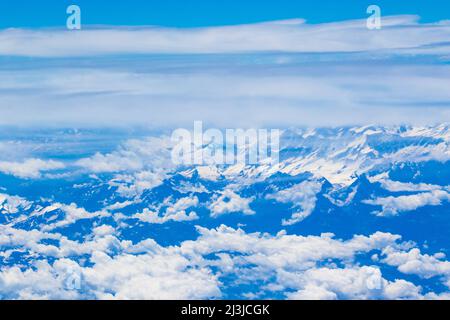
(110, 163)
(133, 185)
(174, 212)
(350, 283)
(397, 186)
(13, 238)
(302, 195)
(153, 276)
(392, 206)
(163, 275)
(133, 155)
(299, 266)
(13, 204)
(425, 194)
(414, 262)
(30, 168)
(138, 165)
(48, 282)
(230, 202)
(72, 213)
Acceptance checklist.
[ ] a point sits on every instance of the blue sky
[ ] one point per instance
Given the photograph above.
(194, 13)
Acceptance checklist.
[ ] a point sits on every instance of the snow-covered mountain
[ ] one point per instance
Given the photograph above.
(349, 212)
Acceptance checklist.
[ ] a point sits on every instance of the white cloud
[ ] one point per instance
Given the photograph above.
(174, 212)
(208, 172)
(152, 276)
(230, 202)
(300, 266)
(312, 292)
(121, 205)
(349, 283)
(72, 213)
(397, 186)
(302, 195)
(159, 275)
(401, 34)
(414, 262)
(133, 185)
(45, 282)
(320, 96)
(134, 155)
(139, 165)
(103, 230)
(13, 204)
(159, 94)
(110, 163)
(30, 168)
(392, 206)
(298, 263)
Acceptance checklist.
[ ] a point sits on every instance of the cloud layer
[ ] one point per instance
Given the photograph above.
(399, 33)
(286, 73)
(297, 266)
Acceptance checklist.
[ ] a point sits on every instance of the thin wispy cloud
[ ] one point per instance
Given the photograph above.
(283, 73)
(301, 94)
(400, 34)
